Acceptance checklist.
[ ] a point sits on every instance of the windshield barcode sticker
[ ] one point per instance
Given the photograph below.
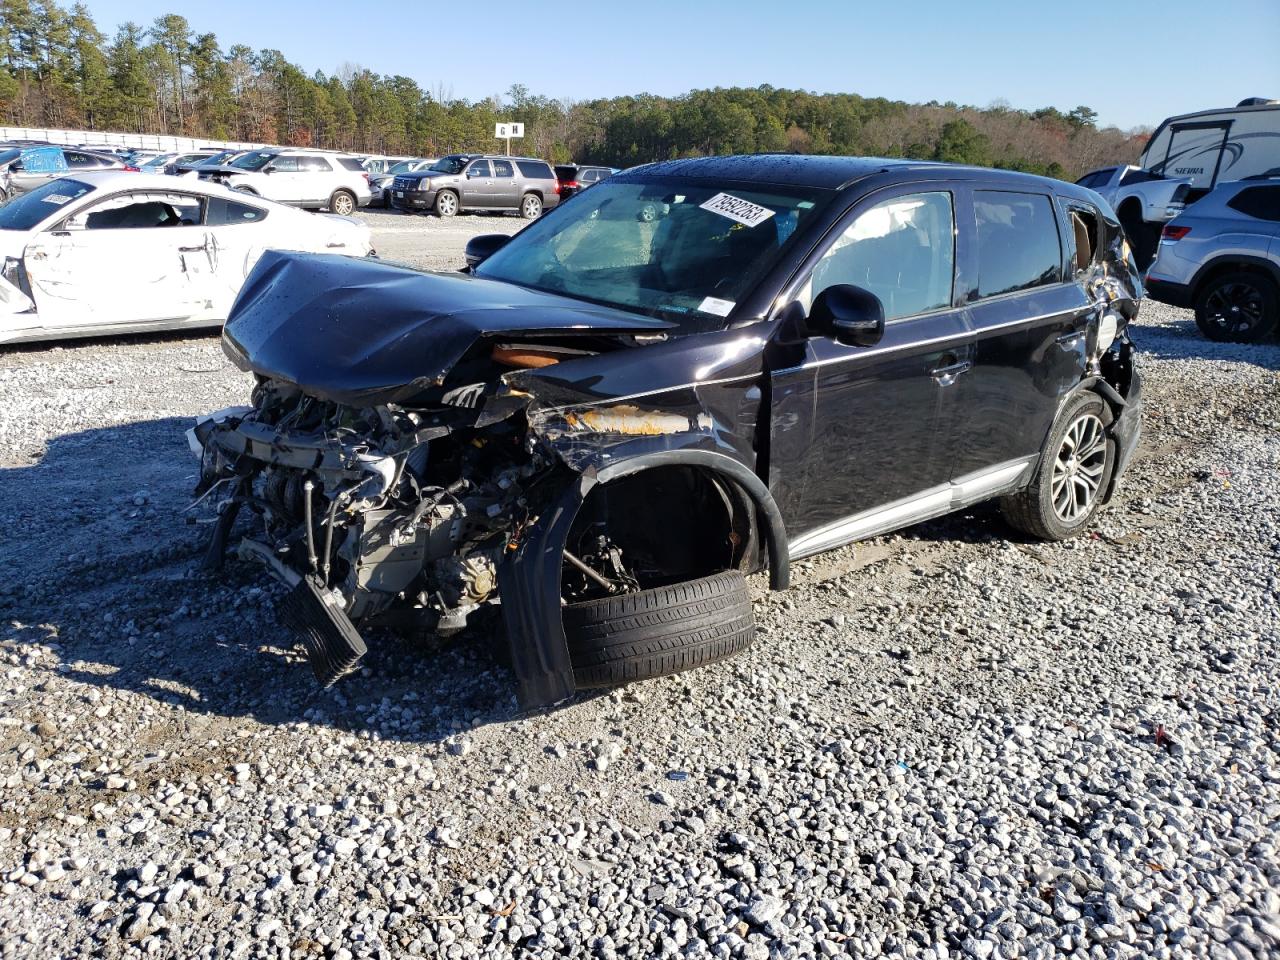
(56, 198)
(721, 308)
(735, 208)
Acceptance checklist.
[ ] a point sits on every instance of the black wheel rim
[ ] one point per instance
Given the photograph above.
(1234, 308)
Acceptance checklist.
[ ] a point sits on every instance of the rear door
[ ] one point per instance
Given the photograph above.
(857, 430)
(1031, 322)
(505, 191)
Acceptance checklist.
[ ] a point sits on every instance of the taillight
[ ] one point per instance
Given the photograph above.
(366, 178)
(1171, 233)
(131, 169)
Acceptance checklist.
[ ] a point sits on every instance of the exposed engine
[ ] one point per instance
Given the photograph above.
(386, 513)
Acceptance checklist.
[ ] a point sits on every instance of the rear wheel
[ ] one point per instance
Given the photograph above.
(1238, 307)
(1075, 470)
(659, 632)
(342, 202)
(446, 203)
(531, 206)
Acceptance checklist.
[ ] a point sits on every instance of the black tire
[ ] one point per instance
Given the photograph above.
(531, 206)
(1239, 307)
(342, 202)
(446, 204)
(658, 632)
(1041, 509)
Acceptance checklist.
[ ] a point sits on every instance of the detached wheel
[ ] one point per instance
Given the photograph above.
(1075, 469)
(658, 632)
(531, 206)
(342, 202)
(1238, 308)
(446, 203)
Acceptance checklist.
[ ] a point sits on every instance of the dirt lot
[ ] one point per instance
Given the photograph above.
(948, 742)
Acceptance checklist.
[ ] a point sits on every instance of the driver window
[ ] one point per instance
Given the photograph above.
(285, 165)
(479, 169)
(132, 211)
(902, 250)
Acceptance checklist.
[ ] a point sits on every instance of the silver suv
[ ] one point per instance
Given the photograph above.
(464, 181)
(1222, 257)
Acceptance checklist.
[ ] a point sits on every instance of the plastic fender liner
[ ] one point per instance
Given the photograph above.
(529, 578)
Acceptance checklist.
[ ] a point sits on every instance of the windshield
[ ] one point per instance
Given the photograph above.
(217, 160)
(404, 166)
(448, 165)
(31, 209)
(159, 161)
(253, 161)
(680, 250)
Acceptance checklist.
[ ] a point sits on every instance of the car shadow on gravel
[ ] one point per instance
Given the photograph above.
(103, 560)
(90, 344)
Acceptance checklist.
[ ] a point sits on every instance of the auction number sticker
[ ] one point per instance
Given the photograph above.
(57, 198)
(735, 208)
(721, 308)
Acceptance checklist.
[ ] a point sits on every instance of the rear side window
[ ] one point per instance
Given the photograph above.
(354, 163)
(314, 165)
(1018, 243)
(501, 168)
(1261, 203)
(224, 213)
(535, 170)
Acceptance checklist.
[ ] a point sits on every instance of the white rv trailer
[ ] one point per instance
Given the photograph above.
(1214, 146)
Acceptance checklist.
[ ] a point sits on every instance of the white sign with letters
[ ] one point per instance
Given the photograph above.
(508, 131)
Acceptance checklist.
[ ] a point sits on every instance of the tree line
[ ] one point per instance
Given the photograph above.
(57, 69)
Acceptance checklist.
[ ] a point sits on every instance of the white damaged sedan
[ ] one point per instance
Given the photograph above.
(116, 252)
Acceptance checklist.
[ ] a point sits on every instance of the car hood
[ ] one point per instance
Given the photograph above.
(361, 332)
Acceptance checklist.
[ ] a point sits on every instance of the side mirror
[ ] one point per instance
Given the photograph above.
(16, 167)
(473, 173)
(481, 248)
(268, 169)
(848, 314)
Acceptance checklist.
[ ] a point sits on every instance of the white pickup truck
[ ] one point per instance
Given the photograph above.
(1144, 202)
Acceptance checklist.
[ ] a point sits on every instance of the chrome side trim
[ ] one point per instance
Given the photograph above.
(933, 502)
(968, 333)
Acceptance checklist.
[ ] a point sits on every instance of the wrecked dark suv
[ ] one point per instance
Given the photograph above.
(696, 370)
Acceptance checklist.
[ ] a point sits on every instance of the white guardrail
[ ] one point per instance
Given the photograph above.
(133, 141)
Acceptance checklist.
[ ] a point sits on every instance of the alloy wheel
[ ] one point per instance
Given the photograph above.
(446, 204)
(1235, 308)
(532, 207)
(1078, 468)
(342, 204)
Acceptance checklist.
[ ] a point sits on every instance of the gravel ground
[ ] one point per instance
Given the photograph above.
(946, 743)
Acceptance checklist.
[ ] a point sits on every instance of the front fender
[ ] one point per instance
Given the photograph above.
(529, 576)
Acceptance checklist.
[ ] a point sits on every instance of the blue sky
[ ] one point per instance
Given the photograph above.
(1133, 62)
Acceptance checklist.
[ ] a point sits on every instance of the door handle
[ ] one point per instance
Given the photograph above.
(191, 249)
(947, 375)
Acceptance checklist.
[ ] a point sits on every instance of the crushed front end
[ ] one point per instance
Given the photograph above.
(391, 513)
